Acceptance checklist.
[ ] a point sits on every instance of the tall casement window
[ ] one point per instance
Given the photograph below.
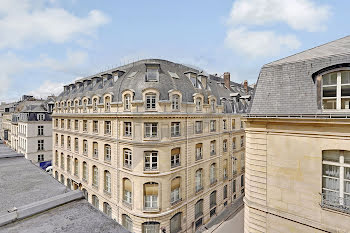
(234, 166)
(40, 145)
(242, 161)
(198, 179)
(212, 105)
(56, 139)
(127, 101)
(108, 153)
(224, 145)
(175, 129)
(95, 150)
(85, 125)
(95, 176)
(175, 190)
(242, 141)
(69, 122)
(151, 130)
(76, 125)
(151, 101)
(175, 157)
(242, 181)
(199, 151)
(76, 103)
(95, 201)
(85, 172)
(62, 123)
(108, 128)
(127, 195)
(76, 167)
(94, 105)
(127, 158)
(198, 126)
(56, 158)
(151, 160)
(68, 164)
(175, 223)
(69, 143)
(40, 130)
(233, 186)
(150, 227)
(224, 124)
(127, 129)
(233, 123)
(62, 140)
(56, 123)
(212, 173)
(107, 209)
(62, 161)
(198, 104)
(336, 90)
(127, 222)
(62, 178)
(212, 125)
(175, 102)
(336, 180)
(198, 213)
(84, 105)
(234, 143)
(225, 174)
(150, 195)
(225, 192)
(85, 147)
(213, 147)
(152, 74)
(76, 144)
(107, 182)
(212, 203)
(107, 104)
(95, 126)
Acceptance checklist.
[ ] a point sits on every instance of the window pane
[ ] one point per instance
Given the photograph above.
(345, 90)
(345, 102)
(347, 157)
(330, 170)
(329, 91)
(331, 155)
(330, 183)
(329, 104)
(345, 77)
(330, 79)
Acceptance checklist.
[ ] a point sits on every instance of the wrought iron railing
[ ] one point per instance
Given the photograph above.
(334, 202)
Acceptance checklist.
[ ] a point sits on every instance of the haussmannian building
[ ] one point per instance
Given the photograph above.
(156, 145)
(297, 144)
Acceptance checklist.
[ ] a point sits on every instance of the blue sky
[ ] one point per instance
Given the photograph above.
(46, 44)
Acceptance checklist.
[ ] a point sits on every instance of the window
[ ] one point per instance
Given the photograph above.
(151, 130)
(62, 140)
(213, 199)
(40, 130)
(242, 141)
(234, 166)
(95, 176)
(198, 209)
(127, 222)
(212, 105)
(76, 144)
(127, 129)
(85, 126)
(68, 142)
(224, 124)
(107, 209)
(242, 161)
(336, 90)
(242, 181)
(56, 139)
(175, 190)
(152, 74)
(107, 104)
(233, 186)
(62, 123)
(40, 145)
(212, 125)
(84, 105)
(108, 127)
(127, 100)
(151, 101)
(175, 157)
(198, 104)
(85, 172)
(62, 161)
(76, 167)
(175, 129)
(95, 149)
(56, 158)
(233, 124)
(62, 178)
(224, 145)
(199, 151)
(198, 126)
(41, 158)
(108, 152)
(242, 124)
(68, 164)
(199, 184)
(225, 169)
(151, 160)
(127, 197)
(336, 180)
(95, 126)
(175, 102)
(213, 173)
(95, 201)
(175, 223)
(94, 105)
(213, 147)
(41, 117)
(127, 158)
(225, 191)
(234, 143)
(76, 106)
(76, 125)
(151, 195)
(56, 123)
(85, 147)
(69, 124)
(150, 227)
(107, 182)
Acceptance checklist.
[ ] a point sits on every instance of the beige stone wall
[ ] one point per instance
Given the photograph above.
(284, 175)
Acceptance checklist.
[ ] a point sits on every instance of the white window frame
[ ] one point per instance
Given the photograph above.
(128, 129)
(151, 101)
(151, 130)
(127, 155)
(151, 165)
(175, 129)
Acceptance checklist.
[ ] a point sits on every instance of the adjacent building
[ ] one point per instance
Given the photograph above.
(157, 145)
(298, 148)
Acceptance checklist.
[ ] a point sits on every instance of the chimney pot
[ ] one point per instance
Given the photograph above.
(245, 84)
(227, 80)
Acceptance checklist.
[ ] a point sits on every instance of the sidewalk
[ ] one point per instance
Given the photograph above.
(228, 213)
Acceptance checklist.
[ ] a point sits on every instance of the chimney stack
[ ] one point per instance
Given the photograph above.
(227, 80)
(245, 84)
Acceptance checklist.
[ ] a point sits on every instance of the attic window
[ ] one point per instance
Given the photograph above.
(173, 75)
(41, 117)
(152, 74)
(132, 74)
(336, 90)
(193, 79)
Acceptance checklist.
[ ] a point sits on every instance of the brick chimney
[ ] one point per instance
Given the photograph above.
(227, 80)
(245, 85)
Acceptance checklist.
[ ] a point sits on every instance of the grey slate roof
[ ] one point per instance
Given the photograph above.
(287, 86)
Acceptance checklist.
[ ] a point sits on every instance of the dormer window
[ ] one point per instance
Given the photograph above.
(152, 73)
(212, 105)
(76, 106)
(151, 101)
(336, 90)
(127, 100)
(175, 102)
(107, 104)
(198, 104)
(41, 117)
(94, 105)
(84, 105)
(193, 79)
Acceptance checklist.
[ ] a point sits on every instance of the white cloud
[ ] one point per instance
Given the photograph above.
(259, 43)
(298, 14)
(31, 21)
(47, 88)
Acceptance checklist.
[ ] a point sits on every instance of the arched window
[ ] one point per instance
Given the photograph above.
(150, 227)
(175, 102)
(94, 105)
(127, 222)
(95, 176)
(212, 105)
(151, 101)
(85, 171)
(127, 187)
(127, 101)
(76, 144)
(76, 167)
(213, 173)
(107, 181)
(95, 149)
(336, 90)
(84, 105)
(198, 104)
(199, 183)
(224, 145)
(76, 103)
(150, 195)
(107, 209)
(107, 104)
(108, 153)
(175, 190)
(175, 223)
(95, 201)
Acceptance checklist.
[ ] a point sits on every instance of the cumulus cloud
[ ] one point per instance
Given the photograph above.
(259, 43)
(31, 21)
